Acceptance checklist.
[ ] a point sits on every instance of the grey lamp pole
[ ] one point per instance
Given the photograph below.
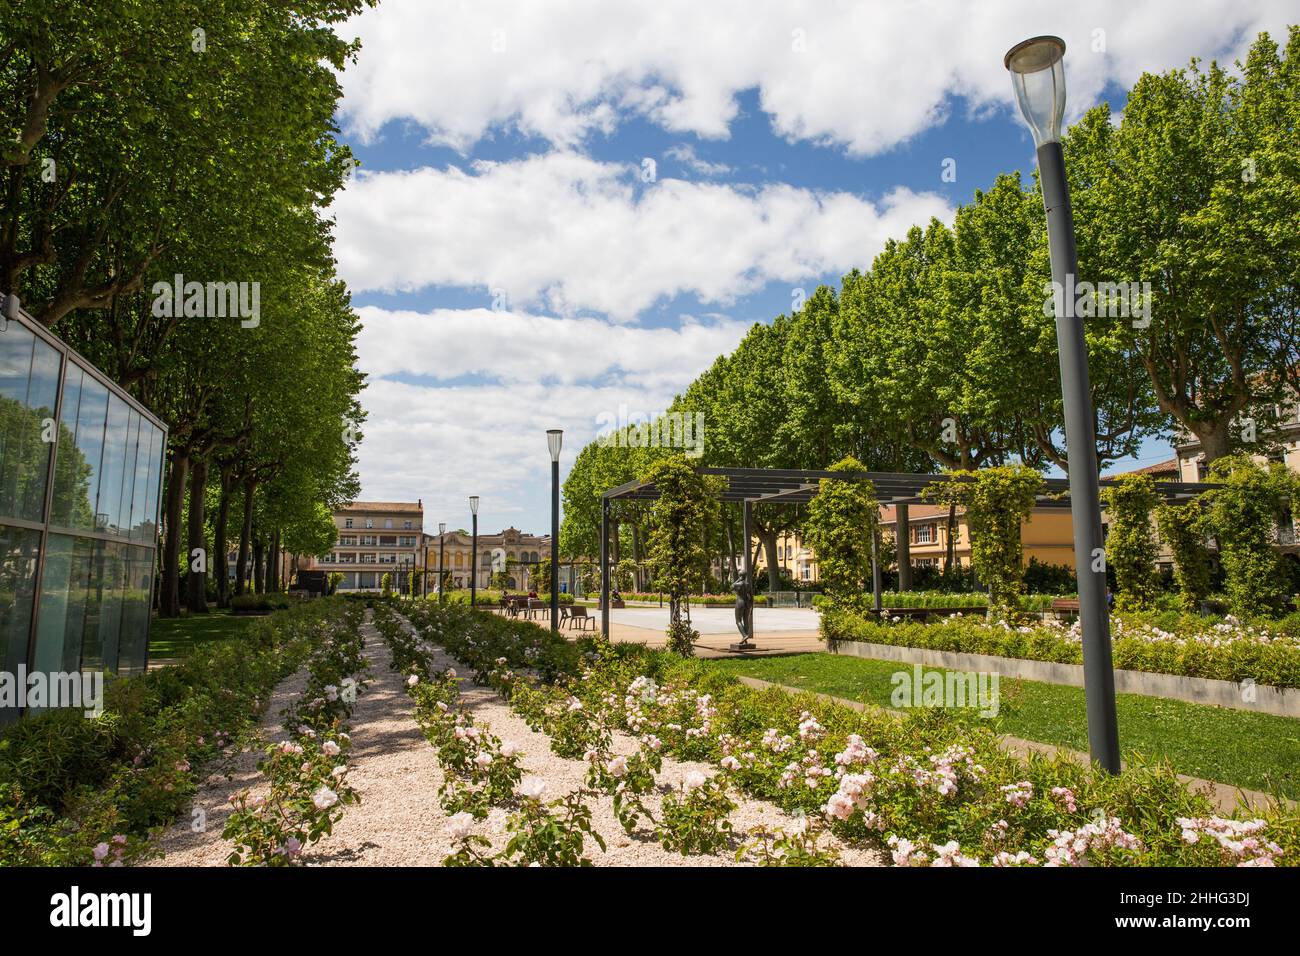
(554, 439)
(473, 553)
(1038, 77)
(442, 542)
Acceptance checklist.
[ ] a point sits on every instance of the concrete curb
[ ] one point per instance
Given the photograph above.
(1225, 797)
(1281, 701)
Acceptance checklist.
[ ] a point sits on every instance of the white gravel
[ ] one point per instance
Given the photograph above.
(399, 821)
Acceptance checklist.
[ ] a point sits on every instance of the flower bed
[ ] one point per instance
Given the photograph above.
(935, 789)
(1185, 645)
(306, 772)
(75, 791)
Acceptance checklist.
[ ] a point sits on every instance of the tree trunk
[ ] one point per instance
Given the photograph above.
(773, 566)
(245, 538)
(197, 581)
(220, 568)
(273, 564)
(169, 602)
(259, 565)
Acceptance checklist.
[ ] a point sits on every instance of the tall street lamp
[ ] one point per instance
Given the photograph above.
(1038, 77)
(442, 531)
(473, 553)
(554, 439)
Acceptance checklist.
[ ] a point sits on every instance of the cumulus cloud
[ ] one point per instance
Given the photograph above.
(461, 399)
(571, 233)
(861, 76)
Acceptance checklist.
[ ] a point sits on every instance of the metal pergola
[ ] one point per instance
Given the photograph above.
(783, 486)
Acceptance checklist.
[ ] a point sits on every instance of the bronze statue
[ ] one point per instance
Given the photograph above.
(744, 607)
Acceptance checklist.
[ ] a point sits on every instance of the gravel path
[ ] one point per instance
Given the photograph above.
(395, 770)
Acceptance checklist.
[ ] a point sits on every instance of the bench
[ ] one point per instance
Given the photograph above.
(1065, 607)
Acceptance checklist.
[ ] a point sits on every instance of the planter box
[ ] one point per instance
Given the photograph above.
(1282, 701)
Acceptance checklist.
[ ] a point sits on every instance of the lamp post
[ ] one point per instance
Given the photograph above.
(473, 553)
(442, 531)
(1038, 77)
(554, 439)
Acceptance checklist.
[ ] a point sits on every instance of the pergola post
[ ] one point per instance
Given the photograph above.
(903, 539)
(747, 565)
(604, 567)
(875, 569)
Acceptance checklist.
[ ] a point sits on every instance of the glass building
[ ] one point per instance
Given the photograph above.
(80, 471)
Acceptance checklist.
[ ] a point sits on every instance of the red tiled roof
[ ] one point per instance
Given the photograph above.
(1169, 467)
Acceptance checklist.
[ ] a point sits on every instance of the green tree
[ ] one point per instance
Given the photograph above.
(1189, 193)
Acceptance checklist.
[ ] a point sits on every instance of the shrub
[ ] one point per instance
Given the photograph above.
(68, 783)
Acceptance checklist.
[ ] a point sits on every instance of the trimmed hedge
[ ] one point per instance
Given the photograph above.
(1187, 646)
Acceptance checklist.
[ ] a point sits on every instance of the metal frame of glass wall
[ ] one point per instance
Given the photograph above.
(81, 466)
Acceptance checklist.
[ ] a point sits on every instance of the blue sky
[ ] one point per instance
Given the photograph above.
(513, 269)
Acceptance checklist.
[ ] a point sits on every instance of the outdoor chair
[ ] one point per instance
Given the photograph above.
(579, 618)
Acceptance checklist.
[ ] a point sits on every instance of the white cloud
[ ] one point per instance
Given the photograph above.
(444, 439)
(863, 76)
(685, 154)
(571, 233)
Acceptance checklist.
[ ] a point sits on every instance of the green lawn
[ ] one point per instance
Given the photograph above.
(1255, 751)
(171, 637)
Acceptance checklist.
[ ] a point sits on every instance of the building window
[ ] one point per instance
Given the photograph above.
(367, 559)
(388, 522)
(347, 522)
(370, 523)
(348, 539)
(406, 525)
(924, 534)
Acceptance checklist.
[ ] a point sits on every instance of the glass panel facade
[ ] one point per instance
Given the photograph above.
(29, 385)
(76, 585)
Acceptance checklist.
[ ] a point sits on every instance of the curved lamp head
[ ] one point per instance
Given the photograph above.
(554, 439)
(473, 504)
(442, 527)
(1037, 69)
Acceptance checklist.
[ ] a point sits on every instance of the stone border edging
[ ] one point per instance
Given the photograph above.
(1281, 701)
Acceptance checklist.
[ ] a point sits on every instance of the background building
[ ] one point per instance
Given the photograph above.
(80, 471)
(513, 551)
(374, 538)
